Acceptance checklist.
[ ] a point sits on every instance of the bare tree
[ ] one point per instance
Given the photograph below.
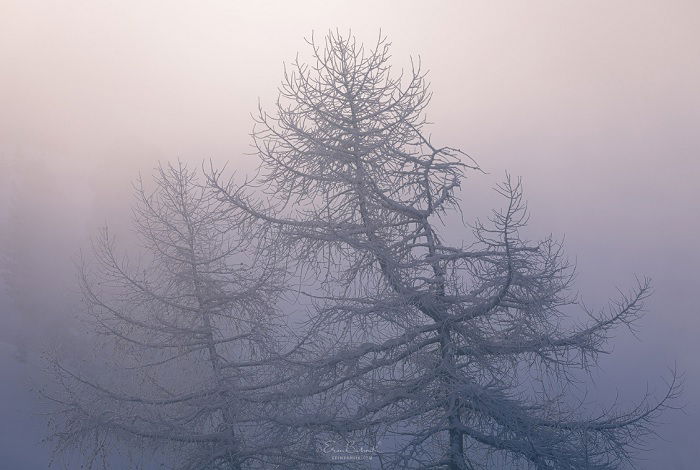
(434, 347)
(189, 333)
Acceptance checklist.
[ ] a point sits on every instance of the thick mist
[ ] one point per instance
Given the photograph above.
(594, 104)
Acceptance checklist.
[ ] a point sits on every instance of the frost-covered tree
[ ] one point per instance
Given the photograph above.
(437, 348)
(188, 337)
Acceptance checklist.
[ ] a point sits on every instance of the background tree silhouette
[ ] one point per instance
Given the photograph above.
(189, 331)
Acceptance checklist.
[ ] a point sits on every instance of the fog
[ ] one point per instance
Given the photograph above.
(594, 104)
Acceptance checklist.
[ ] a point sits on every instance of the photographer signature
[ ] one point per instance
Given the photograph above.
(350, 447)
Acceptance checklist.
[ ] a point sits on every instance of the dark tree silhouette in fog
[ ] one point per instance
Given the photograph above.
(432, 347)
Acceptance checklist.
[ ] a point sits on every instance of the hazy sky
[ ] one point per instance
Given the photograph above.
(594, 103)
